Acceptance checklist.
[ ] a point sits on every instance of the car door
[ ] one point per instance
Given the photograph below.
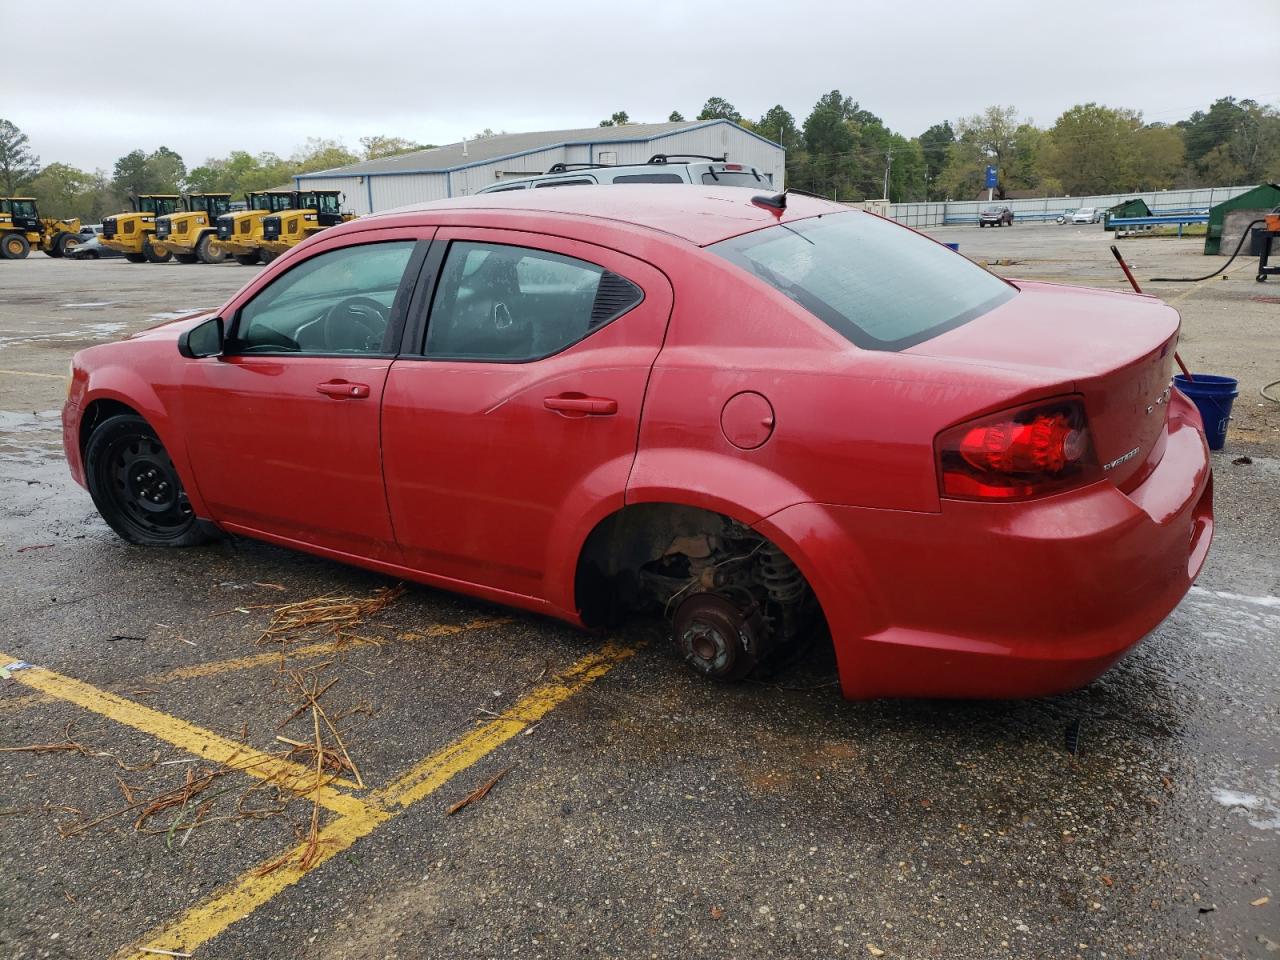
(283, 427)
(517, 419)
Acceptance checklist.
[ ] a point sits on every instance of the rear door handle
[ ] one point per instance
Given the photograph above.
(576, 404)
(343, 389)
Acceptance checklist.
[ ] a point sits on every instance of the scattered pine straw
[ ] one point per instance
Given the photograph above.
(479, 793)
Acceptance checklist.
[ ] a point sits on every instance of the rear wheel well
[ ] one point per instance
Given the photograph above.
(657, 558)
(96, 413)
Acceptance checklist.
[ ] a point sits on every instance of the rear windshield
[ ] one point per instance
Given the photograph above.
(733, 178)
(879, 285)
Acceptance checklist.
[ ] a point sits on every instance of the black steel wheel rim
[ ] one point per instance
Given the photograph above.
(144, 486)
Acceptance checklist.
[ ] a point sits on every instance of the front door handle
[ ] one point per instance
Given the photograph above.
(578, 404)
(343, 389)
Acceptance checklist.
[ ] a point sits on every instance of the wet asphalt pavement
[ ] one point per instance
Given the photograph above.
(649, 814)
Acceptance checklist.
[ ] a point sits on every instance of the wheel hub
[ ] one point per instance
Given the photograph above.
(716, 637)
(146, 486)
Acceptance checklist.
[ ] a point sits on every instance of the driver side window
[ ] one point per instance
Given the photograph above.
(337, 302)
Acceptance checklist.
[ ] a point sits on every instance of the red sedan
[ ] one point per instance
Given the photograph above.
(762, 418)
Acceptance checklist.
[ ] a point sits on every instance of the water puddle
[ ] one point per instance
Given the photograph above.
(92, 331)
(45, 420)
(167, 315)
(1261, 812)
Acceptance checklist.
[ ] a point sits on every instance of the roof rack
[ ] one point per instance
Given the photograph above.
(667, 157)
(566, 167)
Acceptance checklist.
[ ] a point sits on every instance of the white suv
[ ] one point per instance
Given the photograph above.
(660, 168)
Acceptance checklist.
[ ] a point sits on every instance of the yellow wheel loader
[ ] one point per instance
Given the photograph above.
(240, 233)
(22, 227)
(315, 210)
(133, 233)
(190, 234)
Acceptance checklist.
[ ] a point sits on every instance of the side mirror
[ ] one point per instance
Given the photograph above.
(202, 340)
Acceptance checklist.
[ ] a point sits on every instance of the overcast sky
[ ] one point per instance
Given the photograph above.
(206, 79)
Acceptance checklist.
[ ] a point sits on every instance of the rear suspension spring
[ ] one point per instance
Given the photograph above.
(781, 578)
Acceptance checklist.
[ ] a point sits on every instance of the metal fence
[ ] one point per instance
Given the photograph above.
(937, 214)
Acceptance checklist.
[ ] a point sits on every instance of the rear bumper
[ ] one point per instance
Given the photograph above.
(1006, 600)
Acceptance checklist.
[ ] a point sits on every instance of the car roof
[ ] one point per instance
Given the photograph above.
(699, 214)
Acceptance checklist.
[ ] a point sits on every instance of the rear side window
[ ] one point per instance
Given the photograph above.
(878, 284)
(514, 304)
(649, 178)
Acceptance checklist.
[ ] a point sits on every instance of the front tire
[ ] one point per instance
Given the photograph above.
(185, 257)
(14, 247)
(206, 253)
(136, 487)
(267, 255)
(135, 258)
(152, 255)
(246, 259)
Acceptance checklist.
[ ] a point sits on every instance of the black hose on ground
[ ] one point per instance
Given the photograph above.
(1239, 246)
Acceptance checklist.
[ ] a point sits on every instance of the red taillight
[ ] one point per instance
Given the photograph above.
(1016, 454)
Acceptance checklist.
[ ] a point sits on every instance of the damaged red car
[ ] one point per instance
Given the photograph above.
(767, 419)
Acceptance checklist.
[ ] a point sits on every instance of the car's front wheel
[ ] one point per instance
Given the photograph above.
(135, 486)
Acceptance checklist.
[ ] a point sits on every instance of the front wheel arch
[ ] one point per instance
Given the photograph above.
(97, 412)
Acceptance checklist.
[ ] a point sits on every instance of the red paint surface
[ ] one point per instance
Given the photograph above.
(488, 477)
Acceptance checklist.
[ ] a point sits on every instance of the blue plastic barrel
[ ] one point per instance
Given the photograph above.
(953, 246)
(1213, 397)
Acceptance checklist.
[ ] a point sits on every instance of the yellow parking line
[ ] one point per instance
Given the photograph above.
(242, 896)
(307, 651)
(32, 373)
(187, 736)
(428, 775)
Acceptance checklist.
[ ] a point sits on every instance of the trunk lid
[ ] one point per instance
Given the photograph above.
(1114, 349)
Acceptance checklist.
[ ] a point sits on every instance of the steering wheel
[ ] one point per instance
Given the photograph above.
(356, 323)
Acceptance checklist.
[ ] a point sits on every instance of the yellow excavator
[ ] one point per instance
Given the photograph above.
(22, 227)
(190, 234)
(240, 233)
(133, 232)
(315, 210)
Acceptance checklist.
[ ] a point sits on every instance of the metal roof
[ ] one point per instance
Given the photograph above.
(501, 145)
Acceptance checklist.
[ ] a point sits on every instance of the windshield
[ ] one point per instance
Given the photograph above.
(19, 208)
(279, 201)
(326, 203)
(160, 206)
(734, 178)
(877, 284)
(212, 205)
(993, 209)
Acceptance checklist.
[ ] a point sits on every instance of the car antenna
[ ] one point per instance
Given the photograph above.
(775, 204)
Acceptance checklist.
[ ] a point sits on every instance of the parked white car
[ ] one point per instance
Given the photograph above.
(1087, 215)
